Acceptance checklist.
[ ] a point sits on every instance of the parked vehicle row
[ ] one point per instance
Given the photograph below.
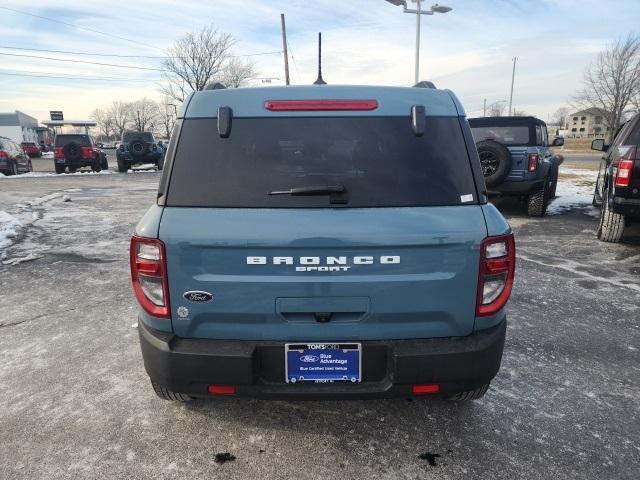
(13, 159)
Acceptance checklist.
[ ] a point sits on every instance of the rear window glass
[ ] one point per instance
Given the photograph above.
(518, 135)
(82, 140)
(378, 161)
(128, 137)
(2, 145)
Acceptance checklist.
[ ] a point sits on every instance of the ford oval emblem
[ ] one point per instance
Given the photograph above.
(197, 296)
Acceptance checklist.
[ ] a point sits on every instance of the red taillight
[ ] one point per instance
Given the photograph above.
(87, 152)
(624, 173)
(4, 154)
(149, 275)
(319, 105)
(424, 389)
(495, 279)
(221, 390)
(58, 152)
(534, 159)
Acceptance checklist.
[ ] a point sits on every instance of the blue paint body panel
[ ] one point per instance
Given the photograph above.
(392, 101)
(429, 293)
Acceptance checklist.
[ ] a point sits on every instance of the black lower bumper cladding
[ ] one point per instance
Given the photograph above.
(257, 369)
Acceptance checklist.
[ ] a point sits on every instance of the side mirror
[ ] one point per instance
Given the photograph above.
(598, 144)
(558, 142)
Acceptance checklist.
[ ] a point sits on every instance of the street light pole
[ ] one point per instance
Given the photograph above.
(435, 8)
(513, 76)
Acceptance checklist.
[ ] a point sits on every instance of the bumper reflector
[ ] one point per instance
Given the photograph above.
(422, 389)
(221, 390)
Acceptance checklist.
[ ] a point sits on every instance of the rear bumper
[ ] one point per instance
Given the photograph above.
(516, 188)
(626, 206)
(257, 369)
(150, 157)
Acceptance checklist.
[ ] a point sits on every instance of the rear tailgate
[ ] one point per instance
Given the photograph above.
(381, 273)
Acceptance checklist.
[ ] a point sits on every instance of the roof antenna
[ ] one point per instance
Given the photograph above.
(319, 80)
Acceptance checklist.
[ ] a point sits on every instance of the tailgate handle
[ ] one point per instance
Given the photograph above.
(322, 317)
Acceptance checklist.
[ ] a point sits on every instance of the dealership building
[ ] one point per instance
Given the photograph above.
(19, 127)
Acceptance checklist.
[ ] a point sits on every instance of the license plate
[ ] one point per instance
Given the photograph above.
(323, 362)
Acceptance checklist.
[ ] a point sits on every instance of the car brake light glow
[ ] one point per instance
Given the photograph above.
(221, 390)
(495, 278)
(623, 175)
(3, 154)
(149, 275)
(319, 105)
(422, 389)
(58, 152)
(534, 158)
(87, 152)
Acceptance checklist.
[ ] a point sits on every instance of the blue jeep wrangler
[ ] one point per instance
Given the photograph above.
(516, 159)
(322, 242)
(137, 148)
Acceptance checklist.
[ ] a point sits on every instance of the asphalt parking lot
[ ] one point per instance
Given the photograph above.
(75, 401)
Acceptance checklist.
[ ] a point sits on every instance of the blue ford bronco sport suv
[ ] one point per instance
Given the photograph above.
(137, 148)
(322, 242)
(517, 160)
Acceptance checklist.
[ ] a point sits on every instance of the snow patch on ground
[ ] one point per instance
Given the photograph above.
(49, 174)
(9, 226)
(574, 193)
(47, 155)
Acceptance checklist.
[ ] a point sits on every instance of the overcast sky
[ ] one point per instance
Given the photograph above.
(364, 42)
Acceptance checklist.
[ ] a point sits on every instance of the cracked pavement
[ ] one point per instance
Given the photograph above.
(75, 401)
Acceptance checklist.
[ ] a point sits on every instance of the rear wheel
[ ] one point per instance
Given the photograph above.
(611, 225)
(166, 394)
(96, 165)
(29, 166)
(59, 168)
(470, 394)
(105, 163)
(160, 164)
(122, 166)
(538, 201)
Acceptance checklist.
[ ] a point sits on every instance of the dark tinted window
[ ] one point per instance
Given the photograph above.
(2, 145)
(634, 135)
(517, 135)
(83, 140)
(378, 160)
(128, 137)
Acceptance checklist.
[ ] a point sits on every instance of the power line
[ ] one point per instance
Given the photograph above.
(119, 55)
(81, 61)
(67, 77)
(30, 73)
(78, 27)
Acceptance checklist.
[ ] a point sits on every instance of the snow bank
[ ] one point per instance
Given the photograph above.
(574, 193)
(9, 226)
(47, 155)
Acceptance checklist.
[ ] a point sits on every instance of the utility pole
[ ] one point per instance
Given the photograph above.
(484, 108)
(513, 76)
(418, 18)
(284, 47)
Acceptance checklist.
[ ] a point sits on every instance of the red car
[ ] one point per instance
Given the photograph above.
(31, 149)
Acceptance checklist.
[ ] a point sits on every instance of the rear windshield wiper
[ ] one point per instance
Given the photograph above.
(315, 190)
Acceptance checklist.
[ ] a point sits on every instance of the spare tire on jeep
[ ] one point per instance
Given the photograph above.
(72, 151)
(495, 160)
(137, 147)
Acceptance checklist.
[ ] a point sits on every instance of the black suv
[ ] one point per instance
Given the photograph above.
(139, 147)
(75, 151)
(517, 160)
(618, 185)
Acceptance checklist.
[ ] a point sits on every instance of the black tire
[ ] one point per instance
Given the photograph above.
(122, 166)
(137, 148)
(537, 202)
(495, 160)
(59, 168)
(166, 394)
(104, 163)
(553, 181)
(160, 164)
(72, 151)
(611, 226)
(29, 166)
(73, 169)
(96, 165)
(469, 395)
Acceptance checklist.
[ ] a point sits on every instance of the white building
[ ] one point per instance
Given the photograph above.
(19, 127)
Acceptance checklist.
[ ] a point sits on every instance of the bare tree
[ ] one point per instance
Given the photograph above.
(519, 113)
(612, 81)
(496, 109)
(144, 114)
(104, 122)
(166, 117)
(120, 115)
(236, 72)
(559, 117)
(194, 60)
